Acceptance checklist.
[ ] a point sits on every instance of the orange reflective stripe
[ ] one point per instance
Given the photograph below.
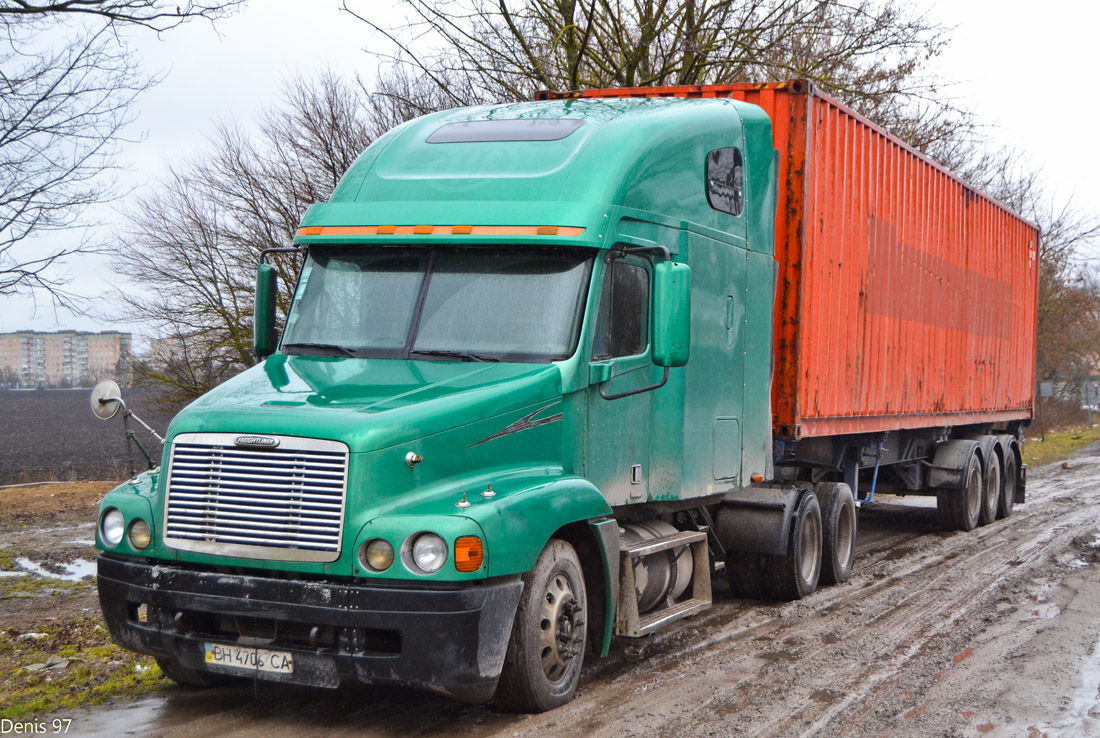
(437, 230)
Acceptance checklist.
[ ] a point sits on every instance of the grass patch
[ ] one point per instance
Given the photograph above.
(31, 585)
(1058, 445)
(97, 671)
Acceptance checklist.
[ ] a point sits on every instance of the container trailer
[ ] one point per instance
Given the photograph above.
(549, 366)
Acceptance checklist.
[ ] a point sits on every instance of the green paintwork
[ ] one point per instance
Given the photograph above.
(265, 338)
(671, 314)
(134, 499)
(632, 175)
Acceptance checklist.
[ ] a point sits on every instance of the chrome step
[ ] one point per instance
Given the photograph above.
(628, 621)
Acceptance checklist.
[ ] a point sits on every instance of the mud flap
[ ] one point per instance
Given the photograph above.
(758, 519)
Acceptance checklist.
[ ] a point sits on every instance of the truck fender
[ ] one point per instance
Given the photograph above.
(758, 519)
(1011, 445)
(989, 447)
(527, 511)
(949, 463)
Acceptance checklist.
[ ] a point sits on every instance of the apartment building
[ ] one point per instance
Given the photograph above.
(64, 358)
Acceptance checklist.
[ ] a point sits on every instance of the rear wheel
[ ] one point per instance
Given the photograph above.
(546, 649)
(188, 677)
(991, 490)
(960, 509)
(1008, 485)
(838, 517)
(795, 574)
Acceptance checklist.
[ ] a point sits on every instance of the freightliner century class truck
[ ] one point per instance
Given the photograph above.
(551, 365)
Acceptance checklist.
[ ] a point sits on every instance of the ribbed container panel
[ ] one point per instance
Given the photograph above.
(906, 299)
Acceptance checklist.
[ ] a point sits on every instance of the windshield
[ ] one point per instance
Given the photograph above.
(470, 304)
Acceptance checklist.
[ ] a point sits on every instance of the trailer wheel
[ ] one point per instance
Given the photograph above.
(546, 649)
(795, 574)
(991, 490)
(1008, 485)
(188, 677)
(839, 523)
(960, 509)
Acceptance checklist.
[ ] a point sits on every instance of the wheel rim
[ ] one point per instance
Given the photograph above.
(974, 492)
(845, 535)
(809, 545)
(561, 627)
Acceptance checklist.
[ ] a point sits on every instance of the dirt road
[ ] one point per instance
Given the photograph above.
(991, 633)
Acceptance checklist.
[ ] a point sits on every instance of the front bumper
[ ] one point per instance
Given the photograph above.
(447, 640)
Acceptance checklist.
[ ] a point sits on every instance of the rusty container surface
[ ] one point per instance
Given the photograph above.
(906, 299)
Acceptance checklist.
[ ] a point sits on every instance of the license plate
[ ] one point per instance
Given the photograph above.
(250, 659)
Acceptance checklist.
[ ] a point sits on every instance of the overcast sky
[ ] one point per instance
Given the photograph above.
(1023, 68)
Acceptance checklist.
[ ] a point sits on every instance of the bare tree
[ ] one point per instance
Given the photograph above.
(68, 81)
(157, 15)
(870, 54)
(196, 239)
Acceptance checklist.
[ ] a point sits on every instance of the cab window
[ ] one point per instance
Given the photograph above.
(725, 178)
(622, 326)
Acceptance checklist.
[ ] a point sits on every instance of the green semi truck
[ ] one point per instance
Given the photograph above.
(523, 402)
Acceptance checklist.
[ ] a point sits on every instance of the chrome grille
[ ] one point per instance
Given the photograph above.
(285, 502)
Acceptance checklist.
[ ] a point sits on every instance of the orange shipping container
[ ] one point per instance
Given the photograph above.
(906, 298)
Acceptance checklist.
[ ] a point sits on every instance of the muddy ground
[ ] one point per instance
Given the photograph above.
(989, 633)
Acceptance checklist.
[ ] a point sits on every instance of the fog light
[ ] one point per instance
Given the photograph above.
(376, 555)
(429, 552)
(112, 526)
(140, 535)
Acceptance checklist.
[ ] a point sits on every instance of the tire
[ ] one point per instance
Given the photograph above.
(795, 574)
(839, 524)
(546, 649)
(991, 490)
(960, 509)
(188, 677)
(1009, 480)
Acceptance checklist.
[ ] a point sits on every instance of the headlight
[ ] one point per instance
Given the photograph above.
(140, 535)
(112, 526)
(376, 555)
(429, 552)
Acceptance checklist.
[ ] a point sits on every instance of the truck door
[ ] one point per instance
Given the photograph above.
(617, 441)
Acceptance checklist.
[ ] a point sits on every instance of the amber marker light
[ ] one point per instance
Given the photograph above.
(469, 553)
(547, 230)
(757, 478)
(311, 231)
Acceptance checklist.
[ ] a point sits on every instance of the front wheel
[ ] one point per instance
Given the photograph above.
(546, 649)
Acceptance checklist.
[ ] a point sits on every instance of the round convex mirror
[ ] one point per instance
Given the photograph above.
(106, 400)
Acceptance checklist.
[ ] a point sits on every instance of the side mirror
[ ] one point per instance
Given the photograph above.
(263, 320)
(671, 313)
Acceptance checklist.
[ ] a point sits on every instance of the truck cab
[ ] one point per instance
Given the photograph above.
(517, 329)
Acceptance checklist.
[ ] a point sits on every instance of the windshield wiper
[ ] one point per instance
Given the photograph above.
(464, 355)
(327, 347)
